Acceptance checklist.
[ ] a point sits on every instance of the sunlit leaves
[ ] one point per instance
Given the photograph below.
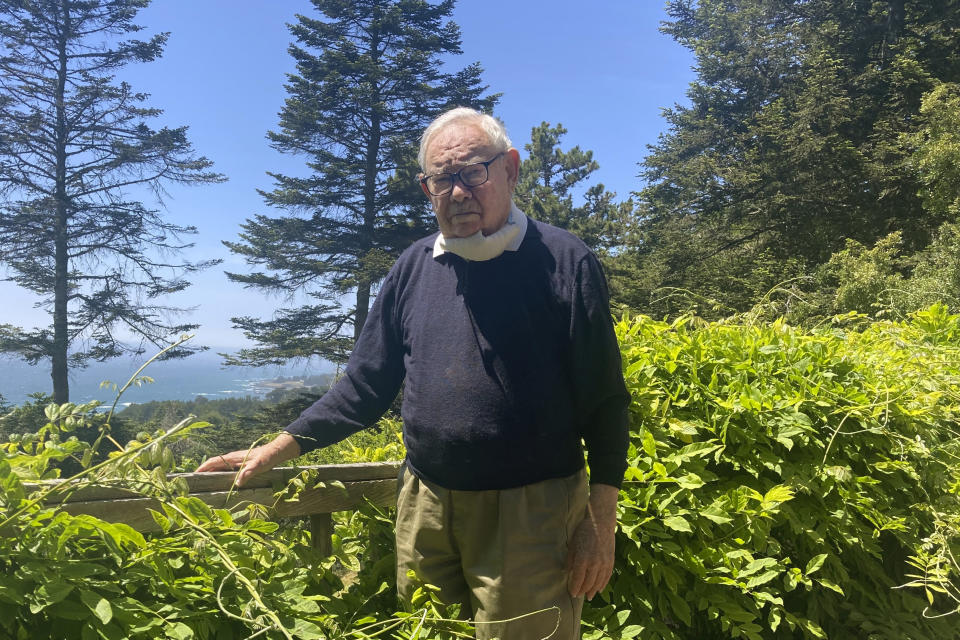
(804, 128)
(774, 472)
(208, 573)
(776, 479)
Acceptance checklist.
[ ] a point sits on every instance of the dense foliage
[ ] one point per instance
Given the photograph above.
(787, 484)
(549, 179)
(74, 142)
(782, 484)
(209, 573)
(234, 423)
(810, 124)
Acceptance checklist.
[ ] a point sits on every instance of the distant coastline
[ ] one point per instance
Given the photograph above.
(200, 375)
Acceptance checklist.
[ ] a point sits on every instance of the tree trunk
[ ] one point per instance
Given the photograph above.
(363, 306)
(61, 383)
(365, 282)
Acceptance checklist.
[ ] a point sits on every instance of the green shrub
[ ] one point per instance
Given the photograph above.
(209, 573)
(787, 484)
(380, 443)
(782, 484)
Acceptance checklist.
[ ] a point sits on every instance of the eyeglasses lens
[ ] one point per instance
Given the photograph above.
(473, 175)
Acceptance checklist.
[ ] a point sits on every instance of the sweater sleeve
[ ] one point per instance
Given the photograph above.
(371, 381)
(602, 399)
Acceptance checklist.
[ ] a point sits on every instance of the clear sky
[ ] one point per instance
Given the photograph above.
(602, 69)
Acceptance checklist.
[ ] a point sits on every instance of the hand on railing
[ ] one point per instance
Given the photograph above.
(249, 462)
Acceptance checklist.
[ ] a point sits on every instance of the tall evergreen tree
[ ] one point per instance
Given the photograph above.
(792, 142)
(551, 182)
(369, 79)
(74, 143)
(936, 158)
(550, 178)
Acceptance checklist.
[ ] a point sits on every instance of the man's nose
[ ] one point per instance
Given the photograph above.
(460, 191)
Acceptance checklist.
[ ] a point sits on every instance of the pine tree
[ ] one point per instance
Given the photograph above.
(793, 142)
(74, 145)
(369, 79)
(550, 178)
(936, 158)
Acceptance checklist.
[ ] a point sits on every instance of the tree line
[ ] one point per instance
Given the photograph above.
(817, 159)
(812, 171)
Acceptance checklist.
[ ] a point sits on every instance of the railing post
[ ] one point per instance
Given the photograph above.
(321, 533)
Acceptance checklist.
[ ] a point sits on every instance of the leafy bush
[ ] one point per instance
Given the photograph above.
(936, 157)
(886, 280)
(209, 573)
(782, 484)
(380, 443)
(787, 484)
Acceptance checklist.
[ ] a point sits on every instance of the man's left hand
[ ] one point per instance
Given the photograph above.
(590, 556)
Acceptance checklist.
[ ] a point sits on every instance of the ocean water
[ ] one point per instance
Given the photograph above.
(201, 374)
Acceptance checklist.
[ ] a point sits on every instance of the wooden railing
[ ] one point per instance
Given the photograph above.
(373, 481)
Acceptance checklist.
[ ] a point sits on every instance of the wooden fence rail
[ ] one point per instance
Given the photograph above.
(373, 481)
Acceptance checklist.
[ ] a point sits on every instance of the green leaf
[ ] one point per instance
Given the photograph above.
(690, 481)
(716, 514)
(178, 631)
(698, 450)
(780, 493)
(308, 630)
(680, 607)
(69, 609)
(198, 510)
(677, 523)
(79, 569)
(762, 578)
(812, 628)
(757, 565)
(738, 613)
(50, 593)
(775, 617)
(634, 367)
(649, 444)
(815, 563)
(832, 585)
(98, 604)
(162, 521)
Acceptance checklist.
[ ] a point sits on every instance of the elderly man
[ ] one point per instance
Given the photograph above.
(500, 327)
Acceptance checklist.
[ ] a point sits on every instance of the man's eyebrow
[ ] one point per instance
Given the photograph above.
(456, 166)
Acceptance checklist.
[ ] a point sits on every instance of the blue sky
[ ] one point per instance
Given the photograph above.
(602, 69)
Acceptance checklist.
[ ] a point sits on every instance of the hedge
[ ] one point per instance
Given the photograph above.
(782, 483)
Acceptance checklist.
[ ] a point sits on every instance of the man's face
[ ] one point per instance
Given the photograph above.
(466, 210)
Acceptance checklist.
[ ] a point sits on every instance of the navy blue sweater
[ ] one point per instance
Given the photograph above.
(508, 363)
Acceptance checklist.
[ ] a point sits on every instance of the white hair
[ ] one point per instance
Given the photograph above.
(496, 132)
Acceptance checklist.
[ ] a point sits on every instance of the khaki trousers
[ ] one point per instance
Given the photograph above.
(500, 554)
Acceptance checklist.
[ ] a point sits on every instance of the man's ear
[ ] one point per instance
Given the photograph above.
(423, 187)
(512, 161)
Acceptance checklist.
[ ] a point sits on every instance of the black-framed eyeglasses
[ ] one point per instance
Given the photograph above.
(472, 175)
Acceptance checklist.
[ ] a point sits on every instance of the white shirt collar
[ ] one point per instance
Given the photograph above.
(479, 247)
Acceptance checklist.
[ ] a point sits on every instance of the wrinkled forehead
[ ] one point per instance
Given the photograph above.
(456, 146)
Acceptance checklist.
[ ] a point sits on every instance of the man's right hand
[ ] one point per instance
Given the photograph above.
(249, 462)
